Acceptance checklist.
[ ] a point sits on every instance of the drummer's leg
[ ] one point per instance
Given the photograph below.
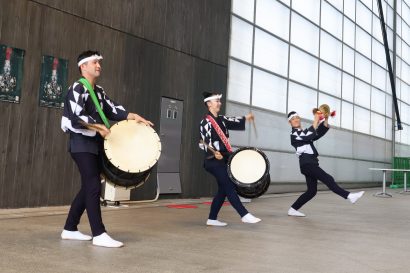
(76, 211)
(227, 185)
(217, 203)
(88, 164)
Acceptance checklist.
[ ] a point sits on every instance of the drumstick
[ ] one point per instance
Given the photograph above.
(254, 129)
(254, 126)
(208, 146)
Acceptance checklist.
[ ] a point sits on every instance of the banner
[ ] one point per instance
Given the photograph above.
(11, 73)
(53, 83)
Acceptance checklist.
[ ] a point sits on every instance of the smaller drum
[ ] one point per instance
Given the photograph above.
(248, 168)
(130, 152)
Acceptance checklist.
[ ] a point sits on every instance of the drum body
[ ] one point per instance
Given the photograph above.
(248, 168)
(130, 152)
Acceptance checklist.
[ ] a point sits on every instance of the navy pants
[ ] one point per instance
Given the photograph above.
(226, 188)
(88, 198)
(313, 173)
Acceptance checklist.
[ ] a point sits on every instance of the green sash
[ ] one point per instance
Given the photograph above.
(95, 100)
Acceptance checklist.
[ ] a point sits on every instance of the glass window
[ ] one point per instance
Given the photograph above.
(241, 39)
(362, 94)
(368, 3)
(348, 87)
(406, 52)
(378, 101)
(377, 31)
(389, 129)
(303, 67)
(405, 32)
(334, 105)
(404, 112)
(378, 76)
(363, 68)
(361, 120)
(348, 59)
(389, 106)
(330, 49)
(350, 9)
(308, 8)
(305, 34)
(378, 127)
(330, 79)
(337, 4)
(363, 42)
(378, 53)
(243, 8)
(363, 17)
(349, 32)
(278, 24)
(405, 93)
(302, 100)
(347, 115)
(271, 53)
(332, 20)
(405, 13)
(239, 82)
(269, 91)
(286, 2)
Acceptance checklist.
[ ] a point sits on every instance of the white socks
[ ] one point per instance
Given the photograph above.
(106, 241)
(74, 235)
(353, 197)
(249, 218)
(296, 213)
(215, 223)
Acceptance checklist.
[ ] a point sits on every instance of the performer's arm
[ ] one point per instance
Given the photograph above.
(322, 129)
(117, 112)
(113, 110)
(234, 123)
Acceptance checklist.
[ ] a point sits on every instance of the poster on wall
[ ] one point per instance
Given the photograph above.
(53, 82)
(11, 73)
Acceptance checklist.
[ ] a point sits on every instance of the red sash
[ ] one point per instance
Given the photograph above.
(220, 133)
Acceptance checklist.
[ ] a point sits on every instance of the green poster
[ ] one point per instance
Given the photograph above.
(53, 83)
(11, 73)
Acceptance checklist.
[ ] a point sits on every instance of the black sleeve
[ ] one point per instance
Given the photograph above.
(234, 123)
(321, 130)
(113, 110)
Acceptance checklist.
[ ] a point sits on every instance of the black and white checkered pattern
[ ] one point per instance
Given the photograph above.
(209, 135)
(302, 140)
(79, 106)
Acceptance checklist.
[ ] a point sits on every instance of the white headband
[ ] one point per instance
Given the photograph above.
(214, 97)
(292, 116)
(93, 57)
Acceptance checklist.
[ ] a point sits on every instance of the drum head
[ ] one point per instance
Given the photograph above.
(132, 147)
(248, 166)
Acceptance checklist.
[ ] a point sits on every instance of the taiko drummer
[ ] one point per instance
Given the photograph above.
(215, 143)
(87, 109)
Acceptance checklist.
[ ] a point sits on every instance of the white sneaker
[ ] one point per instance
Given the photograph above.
(74, 235)
(215, 223)
(249, 218)
(106, 241)
(296, 213)
(353, 197)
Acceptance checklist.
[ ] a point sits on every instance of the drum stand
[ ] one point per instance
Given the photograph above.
(124, 195)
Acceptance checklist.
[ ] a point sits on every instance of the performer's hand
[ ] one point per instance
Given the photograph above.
(138, 118)
(250, 117)
(102, 130)
(218, 155)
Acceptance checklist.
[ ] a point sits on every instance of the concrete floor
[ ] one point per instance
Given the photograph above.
(370, 236)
